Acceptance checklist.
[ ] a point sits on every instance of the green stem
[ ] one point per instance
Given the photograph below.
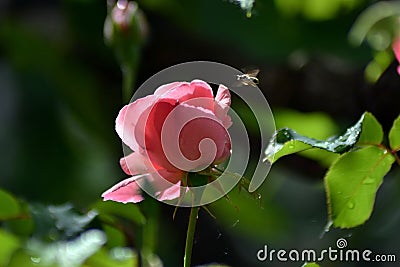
(190, 236)
(129, 78)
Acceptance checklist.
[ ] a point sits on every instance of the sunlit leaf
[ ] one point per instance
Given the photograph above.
(287, 141)
(23, 225)
(8, 244)
(378, 65)
(115, 237)
(9, 206)
(59, 221)
(352, 182)
(394, 135)
(21, 258)
(118, 256)
(68, 253)
(371, 131)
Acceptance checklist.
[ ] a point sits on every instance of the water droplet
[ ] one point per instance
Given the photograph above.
(350, 205)
(369, 180)
(384, 152)
(326, 228)
(36, 260)
(291, 146)
(219, 235)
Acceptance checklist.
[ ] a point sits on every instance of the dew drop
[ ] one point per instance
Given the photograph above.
(35, 260)
(219, 235)
(350, 205)
(326, 229)
(291, 146)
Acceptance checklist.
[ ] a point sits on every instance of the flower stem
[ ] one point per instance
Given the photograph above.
(129, 78)
(190, 236)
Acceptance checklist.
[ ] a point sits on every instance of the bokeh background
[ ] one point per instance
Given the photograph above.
(61, 90)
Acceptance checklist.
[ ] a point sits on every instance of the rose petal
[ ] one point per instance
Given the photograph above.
(222, 103)
(396, 50)
(134, 164)
(200, 129)
(128, 118)
(166, 87)
(172, 192)
(223, 97)
(183, 132)
(125, 191)
(197, 89)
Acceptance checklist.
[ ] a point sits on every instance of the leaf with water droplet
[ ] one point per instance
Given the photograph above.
(350, 204)
(357, 175)
(287, 141)
(371, 131)
(394, 135)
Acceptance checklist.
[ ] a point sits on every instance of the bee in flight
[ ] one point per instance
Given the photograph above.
(249, 78)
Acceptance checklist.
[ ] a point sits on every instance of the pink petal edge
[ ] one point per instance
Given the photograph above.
(134, 164)
(125, 191)
(222, 103)
(128, 117)
(170, 193)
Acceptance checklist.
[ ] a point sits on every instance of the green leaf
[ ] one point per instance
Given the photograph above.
(127, 211)
(115, 237)
(310, 264)
(352, 182)
(371, 131)
(287, 141)
(61, 220)
(9, 206)
(394, 135)
(118, 256)
(23, 226)
(9, 243)
(71, 253)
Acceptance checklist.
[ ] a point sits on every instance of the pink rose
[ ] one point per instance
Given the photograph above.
(180, 128)
(396, 50)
